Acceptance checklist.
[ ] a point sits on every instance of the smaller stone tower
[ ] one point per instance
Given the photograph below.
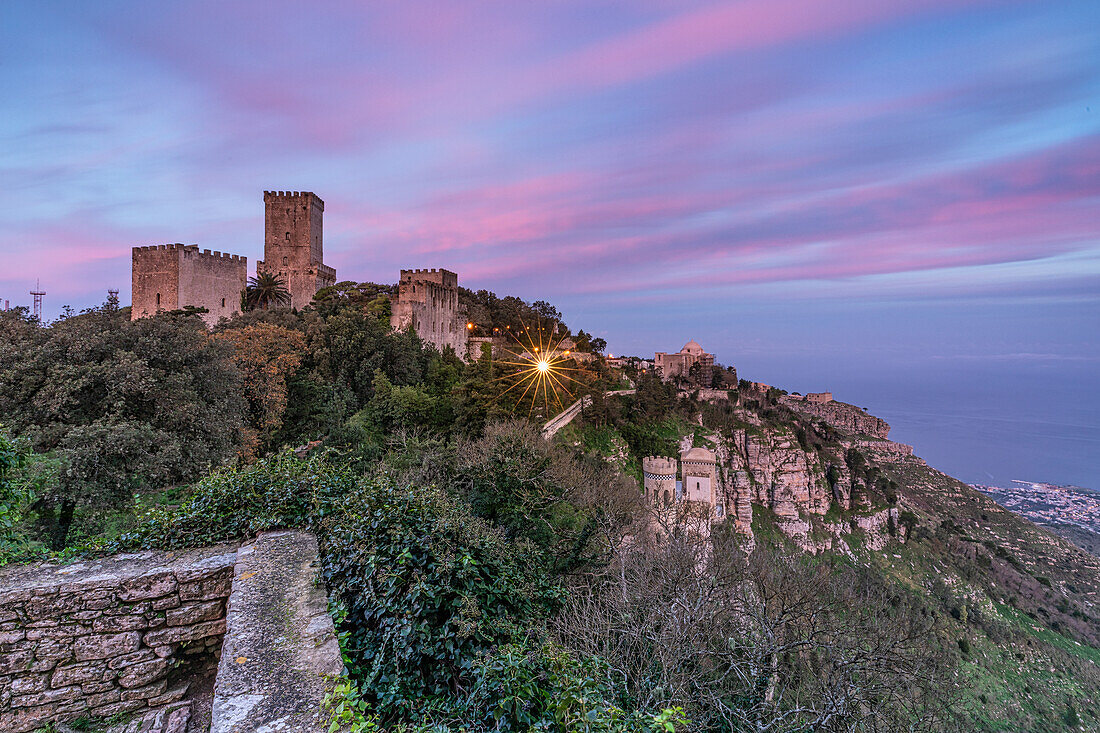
(427, 300)
(659, 479)
(700, 477)
(294, 244)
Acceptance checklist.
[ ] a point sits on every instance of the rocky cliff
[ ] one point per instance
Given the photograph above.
(842, 416)
(769, 468)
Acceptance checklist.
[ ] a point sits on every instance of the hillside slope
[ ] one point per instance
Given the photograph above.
(1017, 604)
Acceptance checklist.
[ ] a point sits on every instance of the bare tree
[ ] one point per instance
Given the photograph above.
(768, 641)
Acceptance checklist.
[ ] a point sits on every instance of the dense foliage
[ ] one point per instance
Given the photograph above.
(116, 409)
(120, 404)
(433, 603)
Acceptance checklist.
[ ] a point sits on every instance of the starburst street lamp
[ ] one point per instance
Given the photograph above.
(541, 375)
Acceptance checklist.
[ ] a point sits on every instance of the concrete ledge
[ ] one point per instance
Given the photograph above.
(279, 653)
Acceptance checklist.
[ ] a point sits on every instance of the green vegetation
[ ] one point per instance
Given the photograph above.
(483, 579)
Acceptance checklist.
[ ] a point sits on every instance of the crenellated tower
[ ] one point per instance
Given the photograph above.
(659, 479)
(294, 244)
(167, 277)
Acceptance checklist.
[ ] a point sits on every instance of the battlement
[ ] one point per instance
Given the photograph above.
(299, 196)
(164, 247)
(439, 276)
(189, 249)
(659, 466)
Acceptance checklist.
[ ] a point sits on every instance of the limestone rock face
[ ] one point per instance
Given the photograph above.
(770, 468)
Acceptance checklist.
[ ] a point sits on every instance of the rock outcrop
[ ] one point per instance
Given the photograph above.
(770, 468)
(842, 416)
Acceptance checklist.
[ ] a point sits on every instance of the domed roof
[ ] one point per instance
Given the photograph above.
(698, 454)
(692, 347)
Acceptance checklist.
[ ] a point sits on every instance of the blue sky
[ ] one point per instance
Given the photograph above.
(896, 201)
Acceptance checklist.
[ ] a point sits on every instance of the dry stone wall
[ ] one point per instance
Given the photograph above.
(96, 639)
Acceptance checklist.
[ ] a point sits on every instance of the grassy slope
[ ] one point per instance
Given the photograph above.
(1021, 598)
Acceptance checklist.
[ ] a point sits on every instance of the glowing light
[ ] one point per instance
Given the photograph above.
(541, 377)
(469, 326)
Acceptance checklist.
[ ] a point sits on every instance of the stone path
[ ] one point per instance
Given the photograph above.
(553, 425)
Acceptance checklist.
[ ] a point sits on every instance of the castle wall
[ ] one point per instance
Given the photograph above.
(155, 280)
(294, 244)
(172, 276)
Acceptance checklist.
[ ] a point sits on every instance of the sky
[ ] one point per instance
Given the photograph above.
(896, 201)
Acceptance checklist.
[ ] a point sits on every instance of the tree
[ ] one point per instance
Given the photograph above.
(12, 498)
(267, 357)
(770, 641)
(266, 290)
(122, 405)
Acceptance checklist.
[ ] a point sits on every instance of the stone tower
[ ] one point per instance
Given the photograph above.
(659, 475)
(427, 301)
(294, 244)
(700, 477)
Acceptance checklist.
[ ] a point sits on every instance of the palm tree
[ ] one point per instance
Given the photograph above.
(266, 290)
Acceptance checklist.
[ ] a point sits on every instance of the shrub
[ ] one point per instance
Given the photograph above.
(544, 687)
(427, 589)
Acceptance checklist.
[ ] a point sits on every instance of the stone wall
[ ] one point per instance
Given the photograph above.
(96, 639)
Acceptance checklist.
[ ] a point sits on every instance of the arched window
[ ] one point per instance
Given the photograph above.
(158, 300)
(284, 261)
(288, 236)
(223, 302)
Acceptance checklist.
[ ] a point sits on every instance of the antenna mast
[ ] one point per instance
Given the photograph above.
(38, 292)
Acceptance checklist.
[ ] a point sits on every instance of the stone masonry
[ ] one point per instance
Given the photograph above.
(170, 276)
(273, 675)
(96, 639)
(294, 244)
(127, 634)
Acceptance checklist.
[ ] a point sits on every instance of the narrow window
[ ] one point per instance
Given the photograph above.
(158, 300)
(284, 261)
(223, 302)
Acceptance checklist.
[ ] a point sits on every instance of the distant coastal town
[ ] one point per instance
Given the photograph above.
(1071, 511)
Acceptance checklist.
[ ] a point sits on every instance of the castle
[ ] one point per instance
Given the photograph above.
(699, 481)
(171, 276)
(427, 301)
(680, 364)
